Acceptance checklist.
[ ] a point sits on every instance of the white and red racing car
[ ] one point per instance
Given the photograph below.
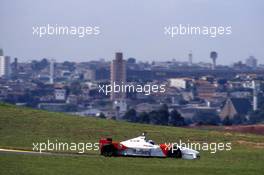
(140, 147)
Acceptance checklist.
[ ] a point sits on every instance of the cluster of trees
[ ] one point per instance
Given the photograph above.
(39, 65)
(203, 118)
(206, 118)
(253, 118)
(69, 65)
(211, 119)
(42, 64)
(161, 116)
(257, 116)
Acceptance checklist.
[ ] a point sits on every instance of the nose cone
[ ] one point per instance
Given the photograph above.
(189, 153)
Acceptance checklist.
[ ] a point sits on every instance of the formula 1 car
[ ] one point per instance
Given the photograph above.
(141, 147)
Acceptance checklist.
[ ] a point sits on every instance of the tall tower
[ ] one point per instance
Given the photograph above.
(15, 66)
(52, 62)
(213, 56)
(5, 66)
(190, 56)
(118, 77)
(255, 86)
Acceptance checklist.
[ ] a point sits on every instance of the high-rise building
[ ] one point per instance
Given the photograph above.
(190, 56)
(15, 67)
(52, 62)
(118, 76)
(255, 94)
(5, 67)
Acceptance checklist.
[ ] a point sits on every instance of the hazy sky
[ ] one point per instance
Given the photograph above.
(134, 27)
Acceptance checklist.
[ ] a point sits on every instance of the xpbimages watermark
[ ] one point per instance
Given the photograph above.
(131, 88)
(57, 146)
(64, 30)
(184, 30)
(212, 147)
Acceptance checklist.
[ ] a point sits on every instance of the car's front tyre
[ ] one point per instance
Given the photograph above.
(108, 150)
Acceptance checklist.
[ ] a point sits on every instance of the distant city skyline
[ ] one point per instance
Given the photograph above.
(134, 28)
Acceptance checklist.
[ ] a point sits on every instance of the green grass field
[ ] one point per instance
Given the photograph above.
(20, 127)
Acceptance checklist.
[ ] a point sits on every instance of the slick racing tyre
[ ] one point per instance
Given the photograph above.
(108, 150)
(175, 153)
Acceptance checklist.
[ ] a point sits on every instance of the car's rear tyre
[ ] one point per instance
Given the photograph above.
(175, 153)
(108, 150)
(178, 153)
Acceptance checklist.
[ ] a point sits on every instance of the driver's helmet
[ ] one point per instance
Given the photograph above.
(151, 142)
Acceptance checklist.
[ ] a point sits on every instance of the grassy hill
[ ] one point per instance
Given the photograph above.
(20, 127)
